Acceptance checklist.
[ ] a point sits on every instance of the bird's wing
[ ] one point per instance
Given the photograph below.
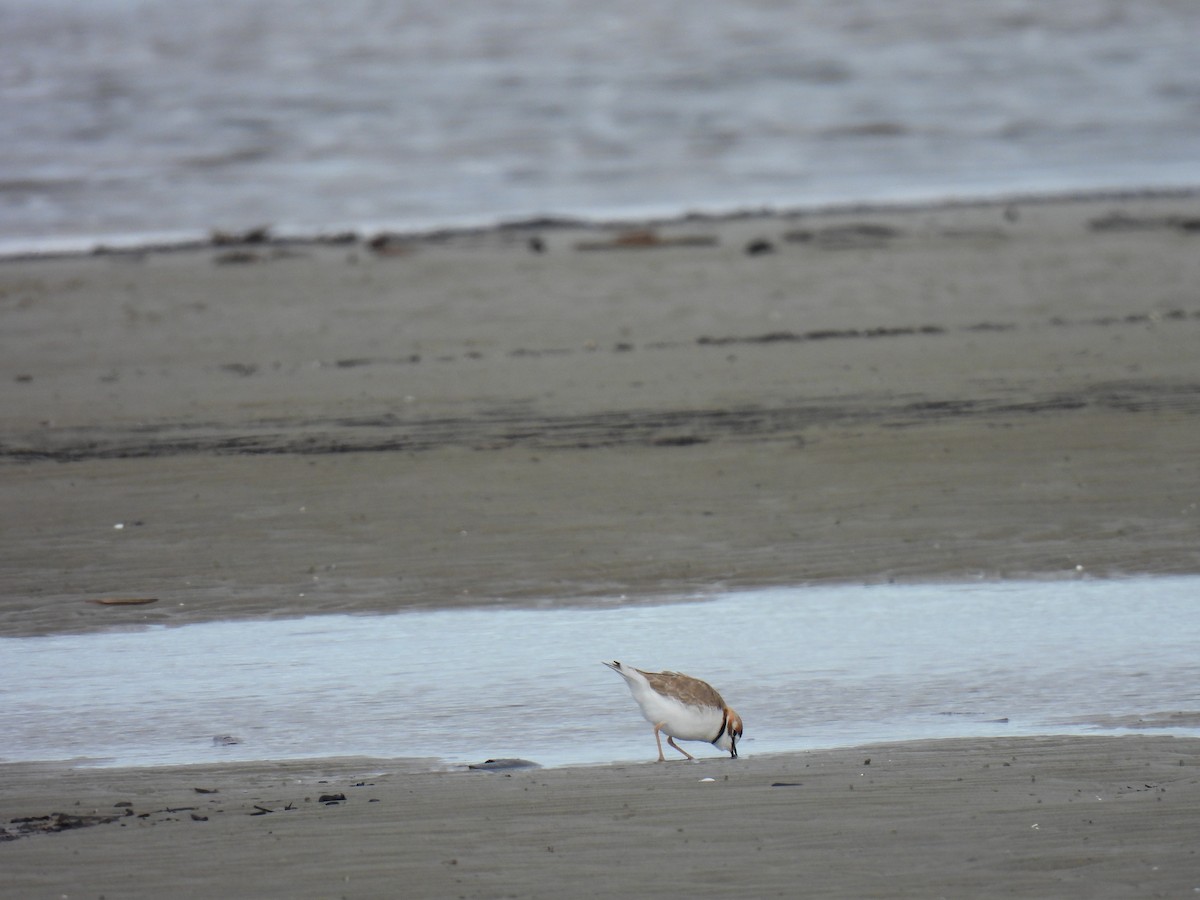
(690, 691)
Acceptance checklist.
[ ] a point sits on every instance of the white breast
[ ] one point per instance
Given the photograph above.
(688, 723)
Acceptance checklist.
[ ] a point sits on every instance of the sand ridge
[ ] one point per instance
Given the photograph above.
(943, 392)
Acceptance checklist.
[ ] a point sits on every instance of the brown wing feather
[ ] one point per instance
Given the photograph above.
(689, 690)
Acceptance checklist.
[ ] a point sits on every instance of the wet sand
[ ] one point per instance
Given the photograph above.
(985, 391)
(1038, 817)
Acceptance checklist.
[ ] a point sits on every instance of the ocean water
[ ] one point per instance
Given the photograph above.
(133, 120)
(806, 668)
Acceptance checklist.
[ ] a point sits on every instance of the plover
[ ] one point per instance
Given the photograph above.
(683, 707)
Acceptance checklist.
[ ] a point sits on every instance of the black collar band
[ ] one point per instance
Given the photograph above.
(724, 722)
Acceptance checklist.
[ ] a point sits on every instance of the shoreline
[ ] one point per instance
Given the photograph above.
(1158, 726)
(706, 757)
(268, 235)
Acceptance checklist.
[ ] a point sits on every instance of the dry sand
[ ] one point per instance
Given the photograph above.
(979, 391)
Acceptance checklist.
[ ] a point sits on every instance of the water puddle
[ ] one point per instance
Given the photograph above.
(806, 667)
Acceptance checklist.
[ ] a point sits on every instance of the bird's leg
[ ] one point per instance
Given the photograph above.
(658, 740)
(671, 741)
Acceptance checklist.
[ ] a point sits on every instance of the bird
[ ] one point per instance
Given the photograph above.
(682, 707)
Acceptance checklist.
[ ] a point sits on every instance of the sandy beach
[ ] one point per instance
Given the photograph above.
(978, 391)
(554, 412)
(1049, 817)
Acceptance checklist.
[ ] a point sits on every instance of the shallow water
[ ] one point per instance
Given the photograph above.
(169, 117)
(806, 667)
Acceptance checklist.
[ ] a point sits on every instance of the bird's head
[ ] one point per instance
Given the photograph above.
(731, 733)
